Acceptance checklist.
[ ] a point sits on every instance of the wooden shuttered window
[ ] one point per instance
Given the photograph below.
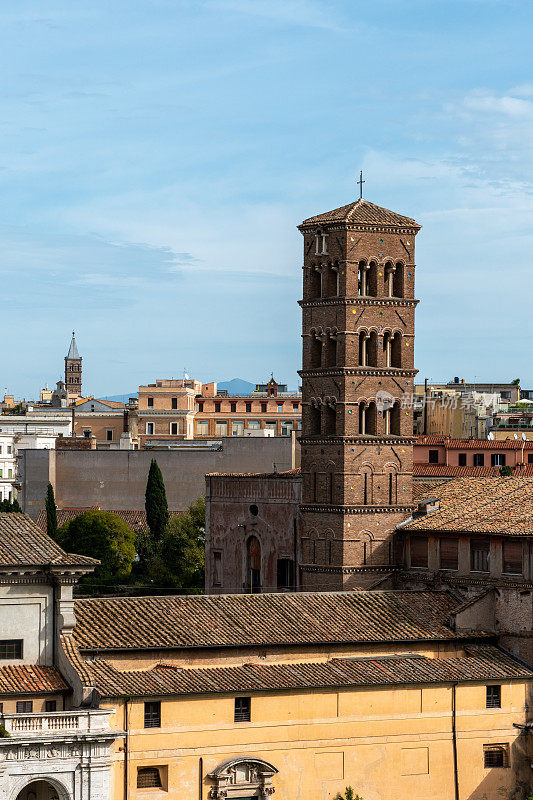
(449, 553)
(512, 557)
(480, 555)
(419, 551)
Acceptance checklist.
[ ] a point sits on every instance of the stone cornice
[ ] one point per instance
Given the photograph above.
(364, 372)
(367, 440)
(346, 509)
(310, 227)
(349, 570)
(359, 301)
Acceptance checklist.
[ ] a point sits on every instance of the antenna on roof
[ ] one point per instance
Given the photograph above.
(360, 182)
(524, 437)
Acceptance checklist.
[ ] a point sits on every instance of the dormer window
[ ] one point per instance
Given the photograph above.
(321, 243)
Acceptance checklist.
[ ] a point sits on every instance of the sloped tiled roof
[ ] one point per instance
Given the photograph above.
(246, 620)
(22, 542)
(452, 471)
(474, 444)
(30, 679)
(362, 212)
(501, 506)
(421, 488)
(479, 664)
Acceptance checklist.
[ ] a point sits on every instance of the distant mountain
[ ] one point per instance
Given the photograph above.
(119, 398)
(236, 386)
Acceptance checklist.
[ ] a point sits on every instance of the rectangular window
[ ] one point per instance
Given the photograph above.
(152, 714)
(50, 706)
(150, 402)
(149, 778)
(494, 697)
(285, 574)
(433, 457)
(87, 433)
(497, 460)
(9, 450)
(1, 473)
(295, 406)
(462, 459)
(201, 408)
(150, 428)
(237, 428)
(10, 473)
(217, 408)
(495, 755)
(263, 408)
(419, 551)
(233, 408)
(11, 648)
(529, 458)
(109, 434)
(174, 403)
(24, 706)
(1, 449)
(248, 408)
(449, 553)
(254, 424)
(217, 568)
(242, 709)
(479, 555)
(280, 408)
(174, 428)
(479, 459)
(512, 557)
(202, 428)
(221, 429)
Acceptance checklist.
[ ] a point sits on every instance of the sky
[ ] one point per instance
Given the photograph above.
(157, 156)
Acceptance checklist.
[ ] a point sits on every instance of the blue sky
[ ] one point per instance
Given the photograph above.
(156, 156)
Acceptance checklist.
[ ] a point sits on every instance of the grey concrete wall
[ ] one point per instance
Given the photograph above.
(116, 479)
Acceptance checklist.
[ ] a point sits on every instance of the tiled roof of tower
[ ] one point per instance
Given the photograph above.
(499, 506)
(30, 679)
(363, 212)
(480, 663)
(262, 619)
(22, 542)
(73, 349)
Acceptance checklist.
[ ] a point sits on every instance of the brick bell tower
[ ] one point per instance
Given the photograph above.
(358, 328)
(73, 370)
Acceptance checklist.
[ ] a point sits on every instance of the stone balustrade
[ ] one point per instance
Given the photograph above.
(77, 721)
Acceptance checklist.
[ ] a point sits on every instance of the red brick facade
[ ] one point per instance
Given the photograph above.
(358, 361)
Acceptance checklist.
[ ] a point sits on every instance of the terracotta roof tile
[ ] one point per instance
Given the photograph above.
(473, 444)
(421, 488)
(30, 679)
(479, 664)
(362, 212)
(501, 506)
(23, 542)
(246, 620)
(447, 471)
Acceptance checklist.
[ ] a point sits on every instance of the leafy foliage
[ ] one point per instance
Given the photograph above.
(348, 795)
(176, 559)
(104, 536)
(156, 502)
(506, 472)
(516, 382)
(51, 512)
(10, 506)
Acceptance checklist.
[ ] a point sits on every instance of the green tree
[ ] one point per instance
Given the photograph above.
(51, 512)
(506, 472)
(10, 506)
(104, 536)
(156, 502)
(348, 795)
(516, 382)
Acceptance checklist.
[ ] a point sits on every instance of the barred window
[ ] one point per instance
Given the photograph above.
(24, 706)
(149, 778)
(152, 714)
(494, 696)
(495, 755)
(11, 648)
(242, 709)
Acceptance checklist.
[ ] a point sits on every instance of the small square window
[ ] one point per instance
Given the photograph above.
(280, 408)
(109, 435)
(529, 458)
(11, 648)
(152, 714)
(497, 460)
(494, 696)
(174, 428)
(200, 407)
(433, 457)
(479, 459)
(462, 459)
(149, 778)
(150, 402)
(242, 709)
(50, 706)
(295, 406)
(233, 407)
(217, 408)
(174, 402)
(495, 755)
(263, 408)
(248, 408)
(150, 428)
(24, 706)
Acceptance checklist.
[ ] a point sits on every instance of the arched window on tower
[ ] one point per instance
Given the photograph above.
(372, 349)
(372, 279)
(387, 348)
(321, 243)
(362, 275)
(315, 355)
(314, 420)
(396, 350)
(363, 353)
(330, 350)
(253, 565)
(371, 419)
(389, 278)
(392, 480)
(395, 418)
(398, 287)
(315, 280)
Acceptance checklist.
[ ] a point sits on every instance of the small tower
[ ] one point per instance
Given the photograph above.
(357, 382)
(73, 371)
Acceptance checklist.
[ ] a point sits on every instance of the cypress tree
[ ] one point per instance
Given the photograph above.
(156, 502)
(51, 512)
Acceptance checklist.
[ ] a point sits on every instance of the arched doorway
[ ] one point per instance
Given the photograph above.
(40, 790)
(253, 565)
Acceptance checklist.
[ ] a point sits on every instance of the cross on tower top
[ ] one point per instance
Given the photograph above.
(360, 182)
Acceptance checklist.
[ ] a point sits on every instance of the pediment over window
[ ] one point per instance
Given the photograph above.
(242, 777)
